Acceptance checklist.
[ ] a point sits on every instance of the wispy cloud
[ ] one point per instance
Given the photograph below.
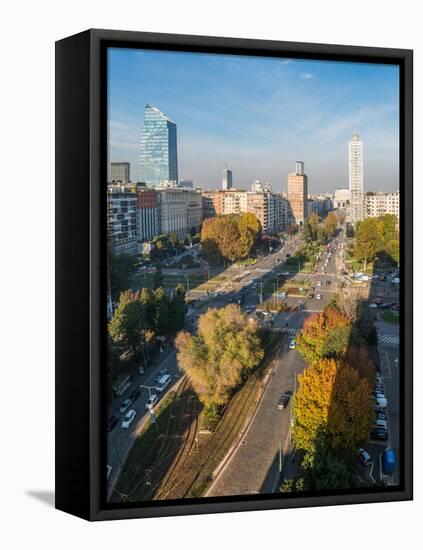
(306, 76)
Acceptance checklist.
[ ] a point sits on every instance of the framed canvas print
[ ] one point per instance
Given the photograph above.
(234, 274)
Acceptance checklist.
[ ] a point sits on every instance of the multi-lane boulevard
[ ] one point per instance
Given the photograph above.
(254, 465)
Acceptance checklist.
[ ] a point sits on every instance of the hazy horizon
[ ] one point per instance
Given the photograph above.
(259, 115)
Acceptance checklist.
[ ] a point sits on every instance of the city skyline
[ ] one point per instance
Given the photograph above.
(258, 115)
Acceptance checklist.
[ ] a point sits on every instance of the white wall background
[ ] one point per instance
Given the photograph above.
(28, 32)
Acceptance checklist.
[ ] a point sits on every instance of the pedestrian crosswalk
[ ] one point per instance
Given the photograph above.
(391, 339)
(293, 331)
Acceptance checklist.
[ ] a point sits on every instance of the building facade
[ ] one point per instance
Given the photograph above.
(159, 155)
(341, 199)
(180, 211)
(147, 214)
(357, 206)
(122, 220)
(298, 194)
(271, 209)
(380, 203)
(120, 172)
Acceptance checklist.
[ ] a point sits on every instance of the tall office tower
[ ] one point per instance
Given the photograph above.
(357, 207)
(297, 194)
(227, 178)
(159, 155)
(119, 172)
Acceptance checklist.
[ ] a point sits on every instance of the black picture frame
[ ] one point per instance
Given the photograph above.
(81, 166)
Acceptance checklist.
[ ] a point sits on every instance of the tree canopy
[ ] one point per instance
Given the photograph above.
(229, 237)
(332, 407)
(218, 358)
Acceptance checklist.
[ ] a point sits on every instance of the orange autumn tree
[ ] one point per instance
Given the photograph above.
(324, 334)
(332, 407)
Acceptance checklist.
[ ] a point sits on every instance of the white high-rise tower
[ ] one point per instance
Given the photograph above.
(355, 148)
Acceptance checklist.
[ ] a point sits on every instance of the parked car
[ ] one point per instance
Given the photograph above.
(388, 461)
(125, 405)
(284, 399)
(135, 394)
(328, 282)
(319, 283)
(111, 423)
(364, 457)
(152, 400)
(379, 423)
(318, 296)
(311, 295)
(379, 434)
(292, 343)
(373, 306)
(129, 418)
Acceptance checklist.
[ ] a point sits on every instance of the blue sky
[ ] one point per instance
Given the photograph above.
(259, 115)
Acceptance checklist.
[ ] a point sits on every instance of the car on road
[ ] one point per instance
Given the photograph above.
(111, 423)
(311, 295)
(163, 383)
(292, 343)
(125, 405)
(319, 283)
(129, 418)
(328, 282)
(373, 306)
(135, 394)
(364, 457)
(284, 399)
(160, 374)
(152, 400)
(318, 296)
(379, 434)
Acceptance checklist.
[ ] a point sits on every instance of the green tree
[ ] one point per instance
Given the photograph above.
(162, 319)
(393, 249)
(220, 356)
(368, 240)
(178, 308)
(122, 267)
(307, 231)
(125, 325)
(323, 335)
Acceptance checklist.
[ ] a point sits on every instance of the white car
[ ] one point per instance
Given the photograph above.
(129, 418)
(292, 343)
(364, 457)
(318, 296)
(151, 402)
(373, 306)
(319, 283)
(125, 405)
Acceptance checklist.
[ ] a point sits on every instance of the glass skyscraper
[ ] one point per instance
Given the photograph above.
(159, 156)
